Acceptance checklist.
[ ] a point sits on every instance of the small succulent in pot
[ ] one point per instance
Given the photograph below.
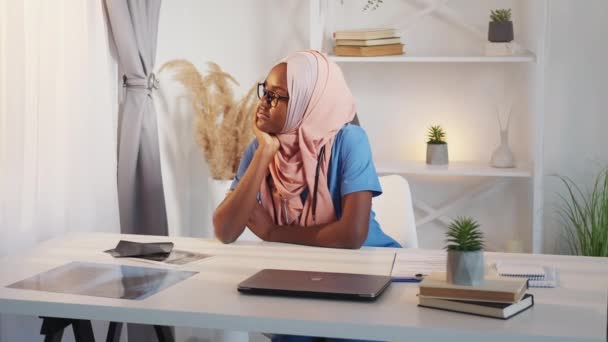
(436, 148)
(465, 243)
(501, 27)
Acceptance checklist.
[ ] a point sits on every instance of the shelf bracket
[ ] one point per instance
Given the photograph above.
(439, 213)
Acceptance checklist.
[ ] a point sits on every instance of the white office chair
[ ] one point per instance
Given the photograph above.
(395, 211)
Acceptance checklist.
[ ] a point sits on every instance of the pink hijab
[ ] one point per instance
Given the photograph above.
(320, 104)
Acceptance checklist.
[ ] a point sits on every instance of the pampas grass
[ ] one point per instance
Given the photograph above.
(222, 124)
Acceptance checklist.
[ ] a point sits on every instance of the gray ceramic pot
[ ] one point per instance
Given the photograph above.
(437, 154)
(500, 32)
(465, 268)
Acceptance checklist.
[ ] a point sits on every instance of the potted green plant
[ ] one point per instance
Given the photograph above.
(501, 26)
(465, 242)
(585, 217)
(436, 147)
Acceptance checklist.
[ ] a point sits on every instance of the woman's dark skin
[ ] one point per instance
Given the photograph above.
(240, 208)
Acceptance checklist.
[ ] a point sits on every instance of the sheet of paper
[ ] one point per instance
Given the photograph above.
(410, 264)
(550, 280)
(177, 257)
(180, 257)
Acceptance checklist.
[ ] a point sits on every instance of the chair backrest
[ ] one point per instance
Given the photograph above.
(395, 211)
(355, 120)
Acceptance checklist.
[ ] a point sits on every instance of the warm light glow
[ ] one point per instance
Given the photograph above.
(461, 142)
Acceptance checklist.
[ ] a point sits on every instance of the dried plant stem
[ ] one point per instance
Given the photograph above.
(222, 124)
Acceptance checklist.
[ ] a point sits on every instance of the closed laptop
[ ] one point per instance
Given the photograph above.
(331, 285)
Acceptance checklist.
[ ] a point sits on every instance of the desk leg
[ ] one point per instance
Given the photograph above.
(83, 330)
(114, 331)
(52, 329)
(164, 333)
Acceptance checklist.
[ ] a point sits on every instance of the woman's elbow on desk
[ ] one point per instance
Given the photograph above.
(359, 237)
(221, 230)
(224, 239)
(352, 235)
(220, 235)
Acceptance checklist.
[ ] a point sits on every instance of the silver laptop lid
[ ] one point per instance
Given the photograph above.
(315, 284)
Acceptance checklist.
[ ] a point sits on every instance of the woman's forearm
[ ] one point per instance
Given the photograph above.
(333, 235)
(230, 217)
(350, 231)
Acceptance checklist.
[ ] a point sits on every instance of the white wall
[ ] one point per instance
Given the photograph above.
(397, 102)
(577, 116)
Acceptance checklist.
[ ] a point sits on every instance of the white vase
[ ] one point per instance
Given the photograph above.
(218, 188)
(503, 157)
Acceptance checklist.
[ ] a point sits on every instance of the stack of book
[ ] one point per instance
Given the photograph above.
(496, 297)
(500, 49)
(368, 43)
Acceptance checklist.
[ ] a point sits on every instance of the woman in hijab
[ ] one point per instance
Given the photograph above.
(308, 178)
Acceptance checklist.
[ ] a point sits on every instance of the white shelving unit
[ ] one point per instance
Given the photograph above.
(454, 168)
(527, 57)
(494, 178)
(532, 170)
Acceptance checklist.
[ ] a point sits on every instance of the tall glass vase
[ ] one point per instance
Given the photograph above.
(502, 156)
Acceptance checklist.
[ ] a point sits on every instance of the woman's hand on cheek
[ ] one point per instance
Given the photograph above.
(261, 223)
(267, 142)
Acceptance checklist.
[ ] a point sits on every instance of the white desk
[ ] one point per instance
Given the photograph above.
(576, 311)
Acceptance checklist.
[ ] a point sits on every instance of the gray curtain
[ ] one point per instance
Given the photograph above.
(134, 27)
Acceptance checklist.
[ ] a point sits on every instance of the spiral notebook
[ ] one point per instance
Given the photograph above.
(509, 269)
(538, 276)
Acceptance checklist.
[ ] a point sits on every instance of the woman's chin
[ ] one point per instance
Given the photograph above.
(263, 125)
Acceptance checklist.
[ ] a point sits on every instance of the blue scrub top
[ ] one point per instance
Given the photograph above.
(351, 169)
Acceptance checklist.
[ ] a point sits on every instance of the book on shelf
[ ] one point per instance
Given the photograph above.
(369, 51)
(365, 34)
(486, 309)
(499, 49)
(493, 289)
(368, 42)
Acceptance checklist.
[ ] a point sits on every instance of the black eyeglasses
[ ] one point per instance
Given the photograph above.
(272, 98)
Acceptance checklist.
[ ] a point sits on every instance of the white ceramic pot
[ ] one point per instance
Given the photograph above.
(465, 268)
(217, 192)
(218, 188)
